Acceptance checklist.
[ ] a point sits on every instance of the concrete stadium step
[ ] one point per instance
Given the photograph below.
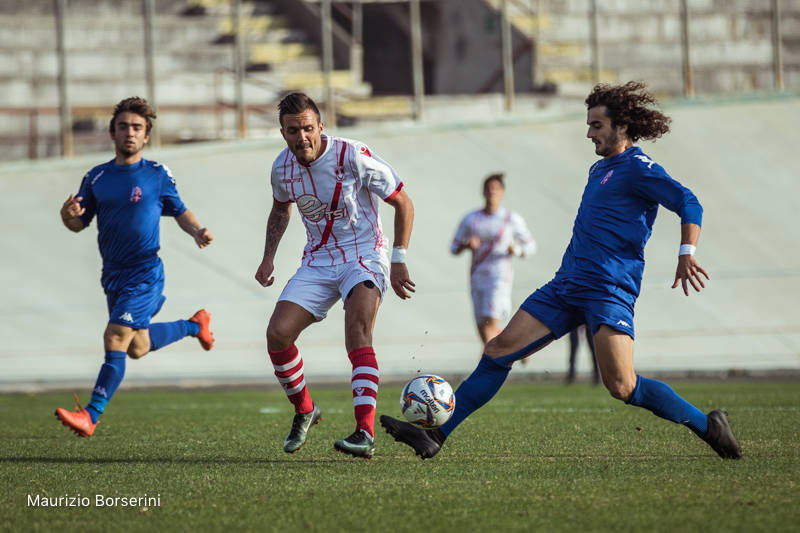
(88, 7)
(170, 32)
(377, 107)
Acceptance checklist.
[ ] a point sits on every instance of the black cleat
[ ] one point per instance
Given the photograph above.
(426, 442)
(301, 423)
(359, 444)
(720, 437)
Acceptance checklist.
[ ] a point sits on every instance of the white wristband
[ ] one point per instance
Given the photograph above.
(687, 249)
(398, 254)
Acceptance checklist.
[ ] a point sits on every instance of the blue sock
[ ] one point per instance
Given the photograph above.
(659, 398)
(111, 374)
(476, 390)
(163, 333)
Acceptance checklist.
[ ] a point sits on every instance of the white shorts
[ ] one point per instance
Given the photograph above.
(491, 300)
(316, 288)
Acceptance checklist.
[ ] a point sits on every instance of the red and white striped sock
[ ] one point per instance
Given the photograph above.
(364, 382)
(289, 370)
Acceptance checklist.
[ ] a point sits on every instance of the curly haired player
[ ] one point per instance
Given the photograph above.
(600, 277)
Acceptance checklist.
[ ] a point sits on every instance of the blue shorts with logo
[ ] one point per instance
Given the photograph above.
(562, 306)
(134, 295)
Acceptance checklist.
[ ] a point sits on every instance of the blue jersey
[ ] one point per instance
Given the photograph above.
(615, 220)
(129, 201)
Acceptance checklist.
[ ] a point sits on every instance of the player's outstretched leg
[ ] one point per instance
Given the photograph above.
(301, 423)
(77, 420)
(662, 401)
(359, 444)
(426, 443)
(720, 437)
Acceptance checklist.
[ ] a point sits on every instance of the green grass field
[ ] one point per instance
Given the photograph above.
(539, 457)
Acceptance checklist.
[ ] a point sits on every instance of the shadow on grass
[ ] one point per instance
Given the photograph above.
(160, 460)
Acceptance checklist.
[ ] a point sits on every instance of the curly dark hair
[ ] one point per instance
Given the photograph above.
(629, 105)
(134, 104)
(294, 104)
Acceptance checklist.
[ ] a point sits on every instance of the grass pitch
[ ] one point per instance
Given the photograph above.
(539, 457)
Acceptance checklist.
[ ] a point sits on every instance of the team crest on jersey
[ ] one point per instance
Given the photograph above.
(363, 150)
(606, 177)
(136, 194)
(339, 173)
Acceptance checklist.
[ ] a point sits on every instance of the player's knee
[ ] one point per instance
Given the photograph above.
(135, 352)
(112, 340)
(279, 336)
(358, 333)
(621, 389)
(497, 347)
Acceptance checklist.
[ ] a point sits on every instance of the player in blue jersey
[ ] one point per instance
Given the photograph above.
(600, 277)
(129, 195)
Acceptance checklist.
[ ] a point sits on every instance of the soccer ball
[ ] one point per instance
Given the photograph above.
(427, 401)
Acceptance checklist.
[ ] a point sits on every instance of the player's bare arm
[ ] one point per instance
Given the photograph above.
(472, 244)
(277, 223)
(689, 271)
(188, 223)
(71, 212)
(403, 221)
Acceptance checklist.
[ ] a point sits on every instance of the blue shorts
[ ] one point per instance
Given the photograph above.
(563, 306)
(134, 295)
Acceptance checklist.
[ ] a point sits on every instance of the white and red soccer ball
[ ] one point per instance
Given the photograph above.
(427, 401)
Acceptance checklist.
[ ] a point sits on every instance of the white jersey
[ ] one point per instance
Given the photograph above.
(491, 262)
(338, 196)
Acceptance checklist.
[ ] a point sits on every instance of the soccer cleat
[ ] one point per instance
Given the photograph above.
(203, 318)
(359, 444)
(426, 443)
(720, 437)
(300, 426)
(78, 420)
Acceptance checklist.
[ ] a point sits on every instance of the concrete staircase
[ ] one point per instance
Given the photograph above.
(193, 65)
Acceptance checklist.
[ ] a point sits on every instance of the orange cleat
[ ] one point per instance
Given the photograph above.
(203, 318)
(78, 420)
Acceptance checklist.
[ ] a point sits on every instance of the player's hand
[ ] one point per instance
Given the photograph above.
(689, 272)
(264, 273)
(400, 281)
(203, 237)
(72, 208)
(474, 243)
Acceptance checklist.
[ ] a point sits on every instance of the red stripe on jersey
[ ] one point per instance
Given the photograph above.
(337, 191)
(480, 259)
(394, 193)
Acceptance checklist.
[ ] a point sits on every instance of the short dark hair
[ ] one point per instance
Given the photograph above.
(294, 104)
(630, 105)
(134, 104)
(496, 176)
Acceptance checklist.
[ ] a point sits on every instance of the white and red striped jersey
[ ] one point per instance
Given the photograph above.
(338, 196)
(497, 232)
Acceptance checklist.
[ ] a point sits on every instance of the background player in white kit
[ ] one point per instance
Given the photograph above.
(337, 185)
(495, 235)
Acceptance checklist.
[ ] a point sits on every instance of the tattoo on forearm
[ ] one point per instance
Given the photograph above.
(276, 226)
